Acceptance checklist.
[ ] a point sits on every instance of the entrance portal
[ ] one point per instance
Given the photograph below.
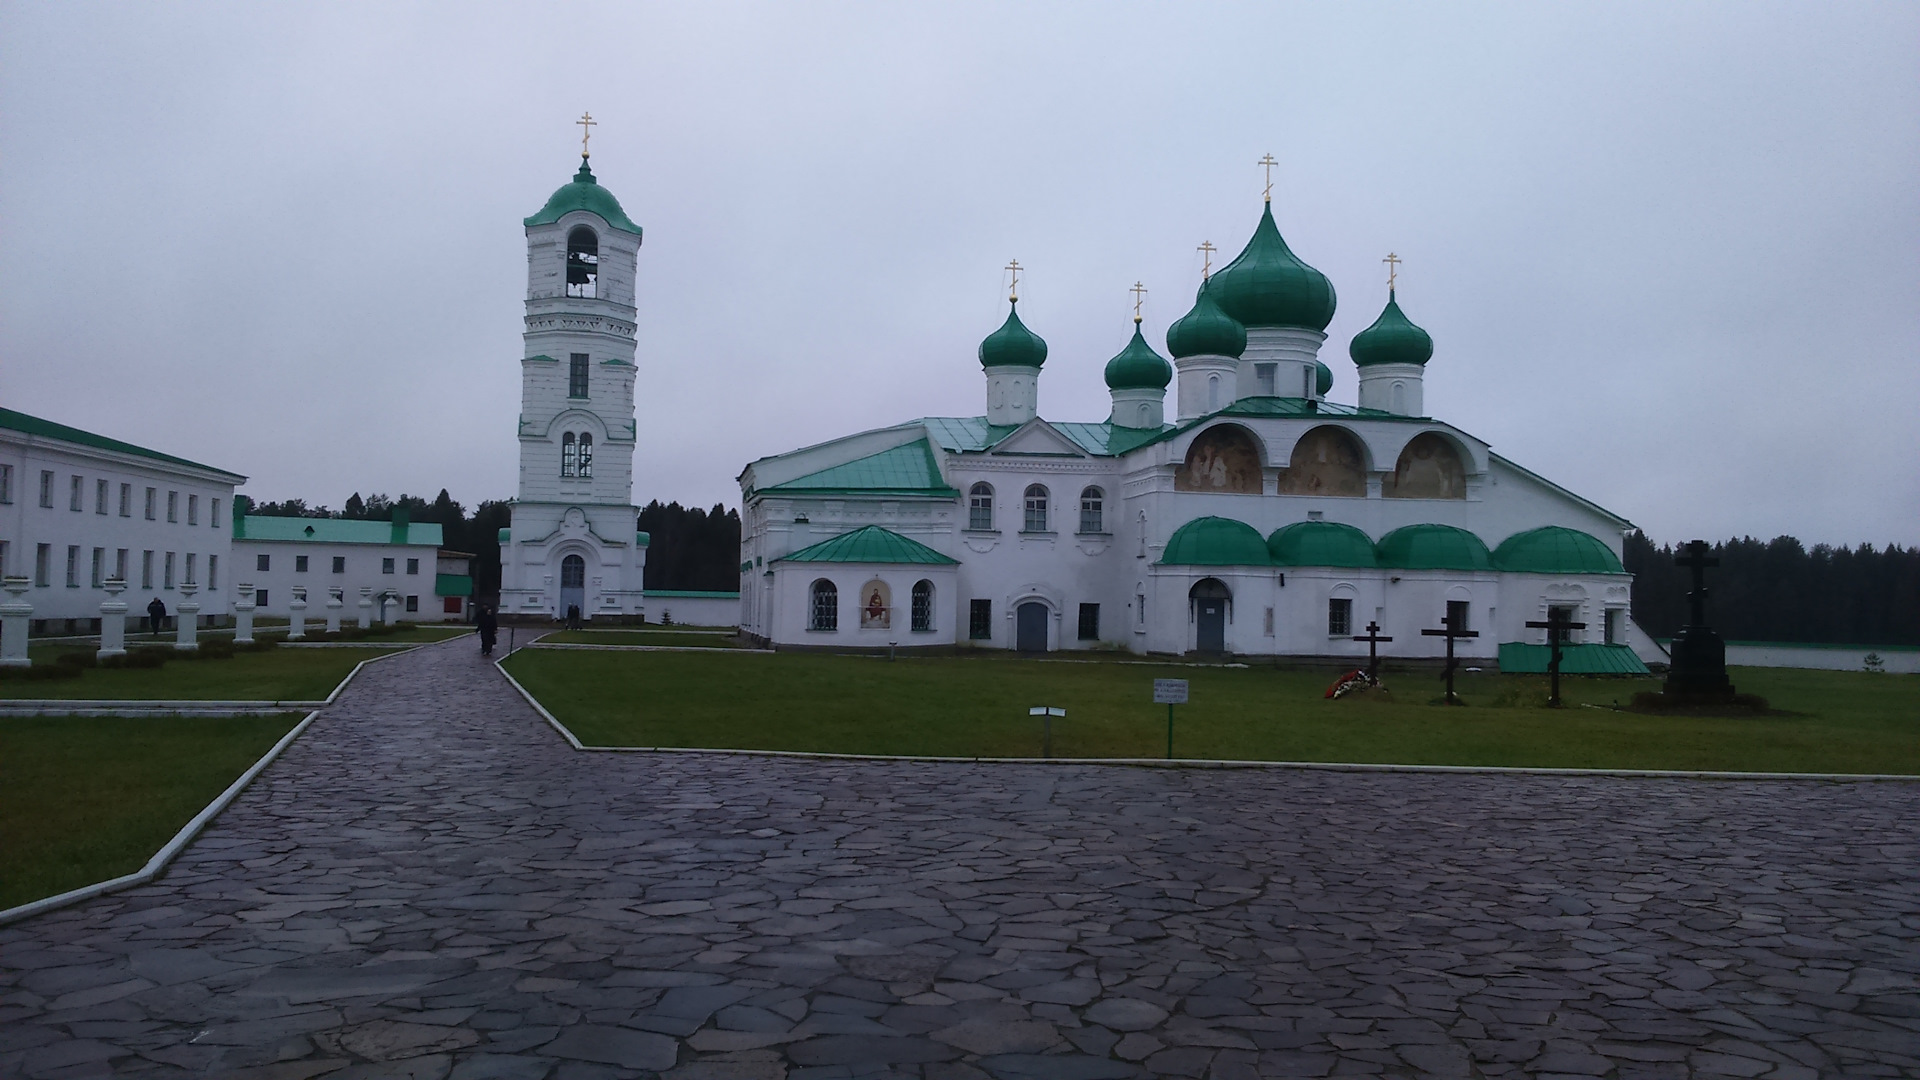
(1210, 598)
(1030, 627)
(573, 585)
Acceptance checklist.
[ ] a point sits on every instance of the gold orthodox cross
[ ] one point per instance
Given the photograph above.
(1268, 163)
(1139, 292)
(1393, 269)
(1013, 287)
(587, 124)
(1206, 250)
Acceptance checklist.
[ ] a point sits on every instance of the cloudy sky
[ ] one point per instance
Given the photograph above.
(1668, 253)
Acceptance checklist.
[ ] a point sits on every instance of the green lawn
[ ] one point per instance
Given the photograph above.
(275, 675)
(87, 799)
(688, 639)
(977, 706)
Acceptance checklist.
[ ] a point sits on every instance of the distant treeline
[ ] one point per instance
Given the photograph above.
(1778, 590)
(689, 548)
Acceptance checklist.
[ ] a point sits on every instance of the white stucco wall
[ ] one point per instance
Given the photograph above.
(363, 567)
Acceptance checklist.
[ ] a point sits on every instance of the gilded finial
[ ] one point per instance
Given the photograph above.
(1206, 250)
(1268, 163)
(1139, 292)
(587, 124)
(1393, 270)
(1013, 285)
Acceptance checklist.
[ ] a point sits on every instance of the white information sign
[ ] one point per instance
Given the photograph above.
(1169, 691)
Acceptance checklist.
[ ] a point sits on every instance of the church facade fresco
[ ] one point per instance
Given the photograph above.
(1429, 468)
(1223, 459)
(1326, 461)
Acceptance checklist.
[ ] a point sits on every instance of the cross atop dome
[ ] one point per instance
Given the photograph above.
(587, 124)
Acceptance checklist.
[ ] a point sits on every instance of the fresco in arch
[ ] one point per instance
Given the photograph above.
(1429, 468)
(1221, 459)
(876, 606)
(1326, 461)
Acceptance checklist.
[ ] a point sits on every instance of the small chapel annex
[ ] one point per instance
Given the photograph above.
(1260, 518)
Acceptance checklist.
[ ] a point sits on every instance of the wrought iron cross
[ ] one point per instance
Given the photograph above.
(1013, 289)
(1556, 625)
(1697, 559)
(1373, 638)
(1393, 269)
(1206, 250)
(1139, 292)
(1447, 631)
(1268, 163)
(587, 124)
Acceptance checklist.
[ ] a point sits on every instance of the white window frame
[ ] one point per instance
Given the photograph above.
(1034, 508)
(980, 507)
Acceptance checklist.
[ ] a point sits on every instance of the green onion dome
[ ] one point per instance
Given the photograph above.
(585, 193)
(1391, 339)
(1554, 549)
(1432, 547)
(1013, 345)
(1268, 285)
(1320, 543)
(1215, 541)
(1322, 378)
(1206, 330)
(1138, 367)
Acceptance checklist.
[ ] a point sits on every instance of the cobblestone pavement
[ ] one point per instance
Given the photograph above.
(431, 884)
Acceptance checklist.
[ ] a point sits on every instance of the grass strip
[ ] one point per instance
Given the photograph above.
(274, 675)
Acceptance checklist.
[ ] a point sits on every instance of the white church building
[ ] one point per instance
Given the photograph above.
(1259, 518)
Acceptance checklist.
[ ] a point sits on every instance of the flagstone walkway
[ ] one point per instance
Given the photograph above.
(430, 884)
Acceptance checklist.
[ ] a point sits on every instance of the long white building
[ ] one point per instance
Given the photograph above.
(399, 566)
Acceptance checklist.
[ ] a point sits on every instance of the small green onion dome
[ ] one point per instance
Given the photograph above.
(1013, 345)
(1554, 549)
(585, 193)
(1322, 378)
(1215, 541)
(1138, 367)
(1206, 330)
(1268, 285)
(1392, 339)
(1320, 543)
(1432, 547)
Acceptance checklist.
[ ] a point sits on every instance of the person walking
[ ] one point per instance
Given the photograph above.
(489, 629)
(156, 616)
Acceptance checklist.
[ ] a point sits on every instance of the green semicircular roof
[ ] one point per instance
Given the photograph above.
(1392, 339)
(1432, 547)
(1013, 345)
(1268, 285)
(1206, 330)
(1320, 543)
(1215, 541)
(1555, 549)
(1138, 367)
(585, 193)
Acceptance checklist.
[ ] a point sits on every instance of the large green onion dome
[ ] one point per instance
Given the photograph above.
(585, 193)
(1554, 549)
(1215, 541)
(1268, 285)
(1392, 339)
(1432, 547)
(1013, 345)
(1138, 367)
(1320, 543)
(1322, 378)
(1206, 330)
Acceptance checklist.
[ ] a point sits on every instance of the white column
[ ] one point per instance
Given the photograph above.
(186, 619)
(13, 623)
(297, 616)
(366, 606)
(334, 604)
(243, 615)
(113, 620)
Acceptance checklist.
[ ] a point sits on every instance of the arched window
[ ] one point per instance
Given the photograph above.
(583, 263)
(1092, 505)
(1213, 393)
(1145, 415)
(923, 605)
(586, 453)
(980, 507)
(825, 612)
(569, 455)
(1036, 519)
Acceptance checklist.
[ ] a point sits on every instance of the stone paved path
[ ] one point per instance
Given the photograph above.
(430, 883)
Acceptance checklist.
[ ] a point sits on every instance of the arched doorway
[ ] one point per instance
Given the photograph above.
(573, 585)
(1210, 598)
(1030, 627)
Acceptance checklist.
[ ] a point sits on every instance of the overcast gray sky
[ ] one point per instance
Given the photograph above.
(1668, 253)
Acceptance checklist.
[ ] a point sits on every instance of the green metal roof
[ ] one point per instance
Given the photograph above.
(1432, 547)
(1392, 339)
(902, 470)
(47, 429)
(585, 193)
(1268, 285)
(972, 434)
(1553, 549)
(1206, 330)
(1013, 345)
(1215, 541)
(335, 531)
(1320, 543)
(1322, 378)
(871, 544)
(1138, 367)
(452, 585)
(1520, 658)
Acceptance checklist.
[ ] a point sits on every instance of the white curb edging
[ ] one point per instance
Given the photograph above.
(163, 707)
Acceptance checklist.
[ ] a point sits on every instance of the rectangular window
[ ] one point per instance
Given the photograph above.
(413, 603)
(1036, 504)
(150, 495)
(1090, 511)
(1263, 379)
(1089, 622)
(191, 579)
(6, 484)
(6, 551)
(146, 569)
(299, 564)
(126, 500)
(1457, 614)
(99, 566)
(1564, 613)
(339, 564)
(213, 572)
(980, 510)
(73, 566)
(193, 509)
(43, 565)
(1140, 608)
(120, 565)
(386, 566)
(260, 598)
(980, 619)
(413, 566)
(166, 576)
(1612, 626)
(46, 488)
(173, 506)
(213, 513)
(577, 375)
(1340, 617)
(100, 496)
(1269, 622)
(75, 493)
(450, 605)
(263, 563)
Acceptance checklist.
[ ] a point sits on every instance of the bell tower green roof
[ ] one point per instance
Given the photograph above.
(1206, 330)
(1138, 367)
(1392, 339)
(1268, 285)
(585, 193)
(1013, 345)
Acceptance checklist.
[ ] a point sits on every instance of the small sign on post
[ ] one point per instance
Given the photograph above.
(1170, 692)
(1046, 713)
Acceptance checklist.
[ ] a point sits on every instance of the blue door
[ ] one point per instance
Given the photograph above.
(1030, 627)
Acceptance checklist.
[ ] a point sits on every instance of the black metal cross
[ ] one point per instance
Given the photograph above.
(1448, 632)
(1693, 556)
(1556, 625)
(1373, 639)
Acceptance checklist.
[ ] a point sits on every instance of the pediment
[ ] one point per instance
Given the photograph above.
(1037, 437)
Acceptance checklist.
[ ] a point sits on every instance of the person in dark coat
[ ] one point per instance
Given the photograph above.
(489, 629)
(156, 615)
(573, 616)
